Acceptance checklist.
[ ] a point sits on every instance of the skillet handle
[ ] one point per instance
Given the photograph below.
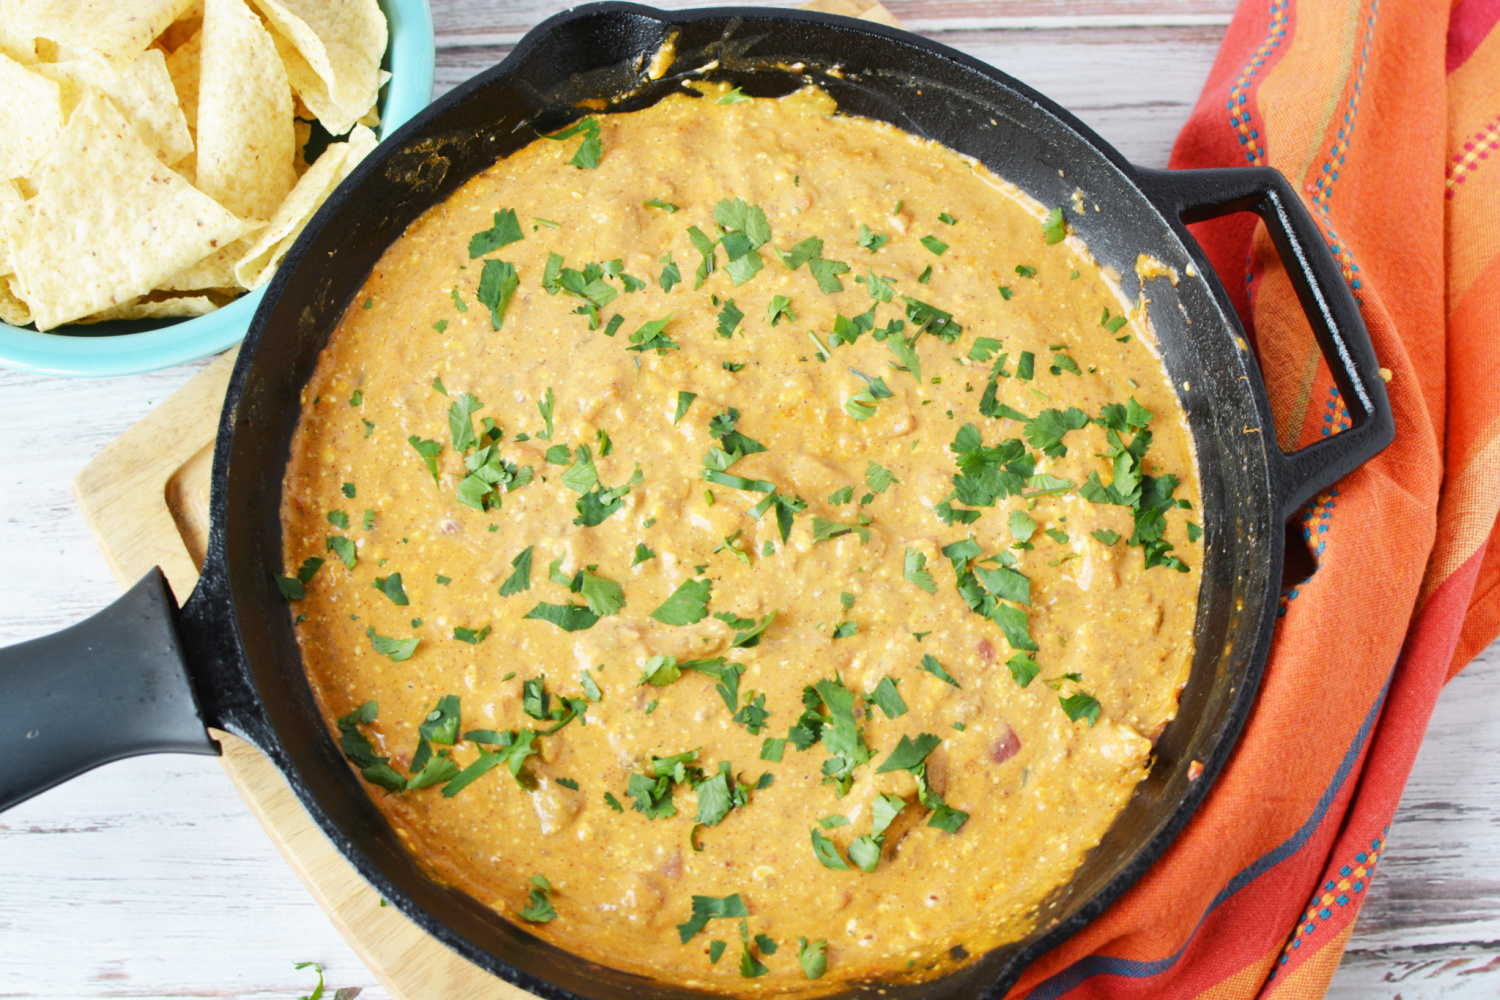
(1196, 195)
(112, 686)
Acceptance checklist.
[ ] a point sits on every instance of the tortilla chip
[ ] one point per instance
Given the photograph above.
(15, 42)
(245, 137)
(10, 201)
(183, 66)
(31, 117)
(12, 309)
(110, 30)
(142, 89)
(174, 307)
(310, 90)
(214, 271)
(342, 43)
(336, 163)
(181, 31)
(110, 226)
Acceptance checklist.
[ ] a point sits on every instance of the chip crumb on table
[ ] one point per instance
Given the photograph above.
(161, 155)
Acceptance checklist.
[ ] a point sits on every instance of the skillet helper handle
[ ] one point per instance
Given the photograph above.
(112, 686)
(1196, 195)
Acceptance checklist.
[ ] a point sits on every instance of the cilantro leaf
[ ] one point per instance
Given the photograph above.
(470, 636)
(916, 572)
(1023, 669)
(497, 283)
(909, 753)
(729, 318)
(665, 206)
(684, 401)
(932, 666)
(879, 478)
(888, 699)
(827, 273)
(864, 851)
(396, 649)
(506, 230)
(650, 336)
(568, 617)
(604, 597)
(809, 249)
(344, 549)
(706, 908)
(429, 451)
(391, 587)
(871, 240)
(642, 553)
(827, 852)
(932, 243)
(813, 957)
(1046, 429)
(687, 605)
(1081, 705)
(1054, 229)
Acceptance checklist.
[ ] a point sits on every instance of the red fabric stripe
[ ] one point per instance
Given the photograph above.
(1421, 673)
(1468, 26)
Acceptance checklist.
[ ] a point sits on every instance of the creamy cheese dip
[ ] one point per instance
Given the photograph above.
(758, 546)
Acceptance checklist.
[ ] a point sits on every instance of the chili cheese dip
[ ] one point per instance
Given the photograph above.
(745, 545)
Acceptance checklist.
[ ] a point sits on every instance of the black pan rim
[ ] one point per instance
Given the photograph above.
(247, 721)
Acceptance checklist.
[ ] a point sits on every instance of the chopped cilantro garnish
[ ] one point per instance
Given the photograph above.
(934, 244)
(665, 206)
(827, 274)
(684, 401)
(780, 306)
(909, 753)
(612, 802)
(687, 605)
(1005, 292)
(888, 699)
(844, 630)
(568, 617)
(338, 519)
(1054, 229)
(871, 240)
(932, 666)
(706, 908)
(391, 587)
(1081, 705)
(344, 549)
(396, 649)
(1194, 532)
(471, 636)
(587, 155)
(813, 957)
(827, 852)
(879, 478)
(1112, 324)
(650, 336)
(497, 284)
(1026, 366)
(1025, 271)
(538, 909)
(670, 277)
(1023, 668)
(505, 231)
(772, 749)
(946, 218)
(916, 572)
(735, 96)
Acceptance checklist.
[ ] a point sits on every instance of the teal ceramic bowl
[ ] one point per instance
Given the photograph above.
(131, 347)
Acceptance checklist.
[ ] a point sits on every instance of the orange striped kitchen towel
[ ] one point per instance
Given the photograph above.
(1385, 115)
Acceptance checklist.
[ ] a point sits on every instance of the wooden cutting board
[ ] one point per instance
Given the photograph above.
(146, 498)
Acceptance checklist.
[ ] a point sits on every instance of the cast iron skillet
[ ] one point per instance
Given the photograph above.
(144, 675)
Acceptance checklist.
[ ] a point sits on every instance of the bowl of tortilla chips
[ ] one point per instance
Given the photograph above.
(162, 156)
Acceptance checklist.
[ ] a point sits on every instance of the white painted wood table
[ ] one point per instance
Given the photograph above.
(150, 879)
